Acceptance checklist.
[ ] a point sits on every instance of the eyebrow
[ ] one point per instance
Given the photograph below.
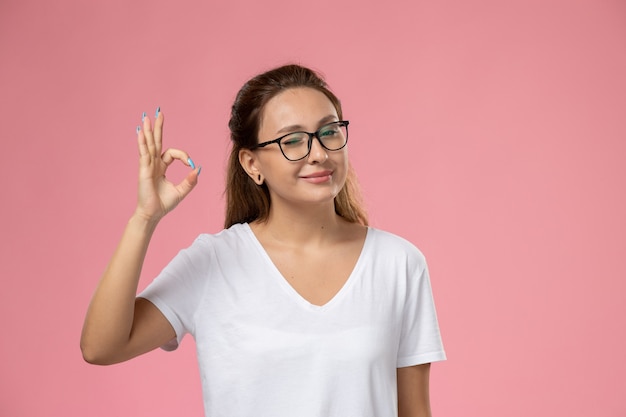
(298, 128)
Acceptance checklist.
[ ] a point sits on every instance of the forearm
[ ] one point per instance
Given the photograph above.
(109, 320)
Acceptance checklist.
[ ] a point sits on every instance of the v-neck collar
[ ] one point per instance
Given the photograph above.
(292, 293)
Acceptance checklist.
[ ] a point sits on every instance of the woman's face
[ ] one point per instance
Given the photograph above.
(317, 178)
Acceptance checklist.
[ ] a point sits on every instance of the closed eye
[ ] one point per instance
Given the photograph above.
(292, 141)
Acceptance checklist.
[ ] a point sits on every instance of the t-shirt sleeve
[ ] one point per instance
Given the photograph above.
(178, 289)
(420, 339)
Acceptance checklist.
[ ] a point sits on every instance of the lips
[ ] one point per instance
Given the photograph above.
(318, 174)
(318, 177)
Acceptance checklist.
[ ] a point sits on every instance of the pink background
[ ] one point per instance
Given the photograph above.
(492, 134)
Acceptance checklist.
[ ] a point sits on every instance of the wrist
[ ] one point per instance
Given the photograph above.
(142, 222)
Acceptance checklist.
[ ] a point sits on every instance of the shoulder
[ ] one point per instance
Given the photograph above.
(390, 247)
(389, 242)
(209, 245)
(226, 237)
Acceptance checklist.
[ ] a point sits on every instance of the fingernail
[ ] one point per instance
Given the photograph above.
(191, 164)
(143, 117)
(138, 129)
(199, 170)
(158, 110)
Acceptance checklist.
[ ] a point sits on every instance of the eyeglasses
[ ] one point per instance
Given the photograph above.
(297, 145)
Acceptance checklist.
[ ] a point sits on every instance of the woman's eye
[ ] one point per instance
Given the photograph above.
(329, 132)
(292, 141)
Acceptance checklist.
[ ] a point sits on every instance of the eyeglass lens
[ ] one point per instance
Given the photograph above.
(333, 136)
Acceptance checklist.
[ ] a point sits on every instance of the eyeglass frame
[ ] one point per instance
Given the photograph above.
(309, 142)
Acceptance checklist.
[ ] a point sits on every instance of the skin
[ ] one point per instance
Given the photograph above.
(303, 235)
(118, 326)
(413, 391)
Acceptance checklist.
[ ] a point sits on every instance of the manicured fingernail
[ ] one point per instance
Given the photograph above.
(143, 117)
(199, 170)
(138, 129)
(158, 110)
(191, 164)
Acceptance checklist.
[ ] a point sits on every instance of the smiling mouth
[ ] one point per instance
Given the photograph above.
(318, 174)
(318, 177)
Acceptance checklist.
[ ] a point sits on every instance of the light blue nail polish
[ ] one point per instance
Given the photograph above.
(158, 110)
(143, 116)
(199, 170)
(138, 129)
(191, 164)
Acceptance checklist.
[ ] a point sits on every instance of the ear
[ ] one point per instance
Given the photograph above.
(249, 163)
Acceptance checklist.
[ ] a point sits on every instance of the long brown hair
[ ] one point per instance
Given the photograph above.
(245, 200)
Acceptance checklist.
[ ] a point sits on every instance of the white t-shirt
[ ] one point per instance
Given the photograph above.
(263, 350)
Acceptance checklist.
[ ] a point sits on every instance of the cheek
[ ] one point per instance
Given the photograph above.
(280, 173)
(342, 174)
(342, 162)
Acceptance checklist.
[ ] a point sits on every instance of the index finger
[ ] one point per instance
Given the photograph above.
(172, 154)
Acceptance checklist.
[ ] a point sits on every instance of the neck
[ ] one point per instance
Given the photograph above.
(302, 226)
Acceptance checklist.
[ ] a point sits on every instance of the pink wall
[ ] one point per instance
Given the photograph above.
(492, 134)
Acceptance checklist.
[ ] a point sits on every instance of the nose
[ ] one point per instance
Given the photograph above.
(317, 153)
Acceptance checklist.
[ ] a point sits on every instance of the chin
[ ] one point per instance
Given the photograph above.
(324, 197)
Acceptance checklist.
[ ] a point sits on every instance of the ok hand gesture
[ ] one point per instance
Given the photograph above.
(156, 195)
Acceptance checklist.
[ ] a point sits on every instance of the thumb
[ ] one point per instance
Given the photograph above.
(188, 183)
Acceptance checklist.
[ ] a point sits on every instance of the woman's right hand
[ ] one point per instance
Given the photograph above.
(118, 326)
(156, 195)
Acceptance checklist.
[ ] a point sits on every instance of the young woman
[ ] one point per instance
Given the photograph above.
(297, 307)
